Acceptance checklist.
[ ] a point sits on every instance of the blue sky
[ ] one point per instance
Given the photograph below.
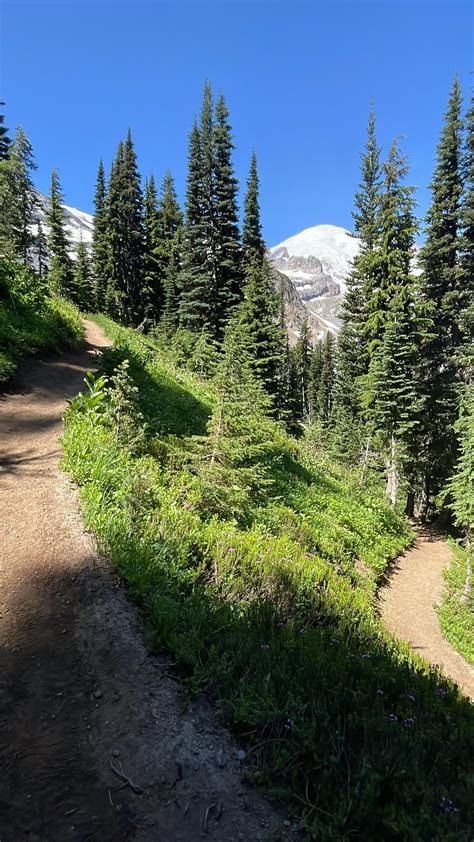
(298, 78)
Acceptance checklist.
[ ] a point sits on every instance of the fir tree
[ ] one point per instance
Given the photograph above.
(61, 275)
(194, 278)
(442, 290)
(302, 356)
(4, 138)
(252, 238)
(352, 352)
(126, 237)
(259, 315)
(170, 223)
(83, 293)
(153, 290)
(100, 255)
(466, 285)
(326, 380)
(230, 274)
(18, 199)
(41, 250)
(315, 368)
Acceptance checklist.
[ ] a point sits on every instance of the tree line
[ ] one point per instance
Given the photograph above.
(389, 393)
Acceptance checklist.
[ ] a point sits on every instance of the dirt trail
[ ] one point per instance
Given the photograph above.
(79, 693)
(407, 606)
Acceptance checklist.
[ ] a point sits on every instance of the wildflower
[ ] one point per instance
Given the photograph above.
(441, 692)
(409, 723)
(334, 640)
(288, 725)
(380, 693)
(231, 550)
(392, 717)
(264, 646)
(367, 655)
(448, 806)
(412, 698)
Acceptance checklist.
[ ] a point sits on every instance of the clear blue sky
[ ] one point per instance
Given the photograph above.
(298, 78)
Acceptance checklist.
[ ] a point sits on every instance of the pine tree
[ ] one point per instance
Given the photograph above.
(194, 278)
(466, 285)
(391, 392)
(100, 255)
(83, 294)
(153, 290)
(315, 368)
(442, 290)
(252, 238)
(126, 237)
(41, 248)
(61, 275)
(4, 138)
(326, 381)
(18, 199)
(170, 222)
(352, 352)
(259, 314)
(211, 277)
(302, 356)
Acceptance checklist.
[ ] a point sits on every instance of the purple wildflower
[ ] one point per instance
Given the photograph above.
(441, 692)
(392, 717)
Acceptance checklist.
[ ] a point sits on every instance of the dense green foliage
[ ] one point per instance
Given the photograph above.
(263, 591)
(31, 320)
(456, 612)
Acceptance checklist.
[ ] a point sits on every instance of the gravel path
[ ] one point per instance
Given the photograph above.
(407, 606)
(95, 742)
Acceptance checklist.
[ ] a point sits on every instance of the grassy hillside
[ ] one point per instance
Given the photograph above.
(456, 612)
(30, 320)
(258, 575)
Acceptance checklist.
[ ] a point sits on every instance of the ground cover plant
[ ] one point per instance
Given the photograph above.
(30, 319)
(256, 568)
(456, 612)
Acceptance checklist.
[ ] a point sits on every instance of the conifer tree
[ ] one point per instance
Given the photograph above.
(252, 238)
(315, 368)
(228, 248)
(394, 327)
(302, 356)
(352, 352)
(100, 256)
(442, 289)
(326, 380)
(18, 199)
(83, 292)
(61, 275)
(466, 304)
(126, 237)
(4, 138)
(41, 250)
(170, 222)
(153, 290)
(266, 338)
(194, 278)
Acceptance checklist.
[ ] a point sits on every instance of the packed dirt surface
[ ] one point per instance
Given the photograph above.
(95, 740)
(407, 606)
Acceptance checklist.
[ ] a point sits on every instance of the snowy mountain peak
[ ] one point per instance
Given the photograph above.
(331, 247)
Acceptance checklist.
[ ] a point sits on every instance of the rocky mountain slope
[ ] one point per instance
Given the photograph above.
(317, 262)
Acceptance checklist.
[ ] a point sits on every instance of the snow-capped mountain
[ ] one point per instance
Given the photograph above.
(78, 224)
(317, 262)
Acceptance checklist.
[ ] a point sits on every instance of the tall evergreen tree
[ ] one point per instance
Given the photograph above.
(126, 236)
(352, 352)
(41, 249)
(326, 382)
(153, 290)
(61, 275)
(4, 138)
(211, 278)
(252, 238)
(315, 367)
(170, 224)
(100, 256)
(442, 290)
(266, 338)
(466, 304)
(25, 205)
(394, 326)
(83, 293)
(229, 253)
(302, 356)
(195, 278)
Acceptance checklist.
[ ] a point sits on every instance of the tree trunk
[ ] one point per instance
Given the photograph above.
(424, 499)
(392, 474)
(410, 504)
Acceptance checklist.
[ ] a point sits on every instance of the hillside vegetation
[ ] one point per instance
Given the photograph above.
(31, 320)
(255, 563)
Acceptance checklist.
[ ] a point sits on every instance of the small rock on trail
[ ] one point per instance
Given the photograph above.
(94, 741)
